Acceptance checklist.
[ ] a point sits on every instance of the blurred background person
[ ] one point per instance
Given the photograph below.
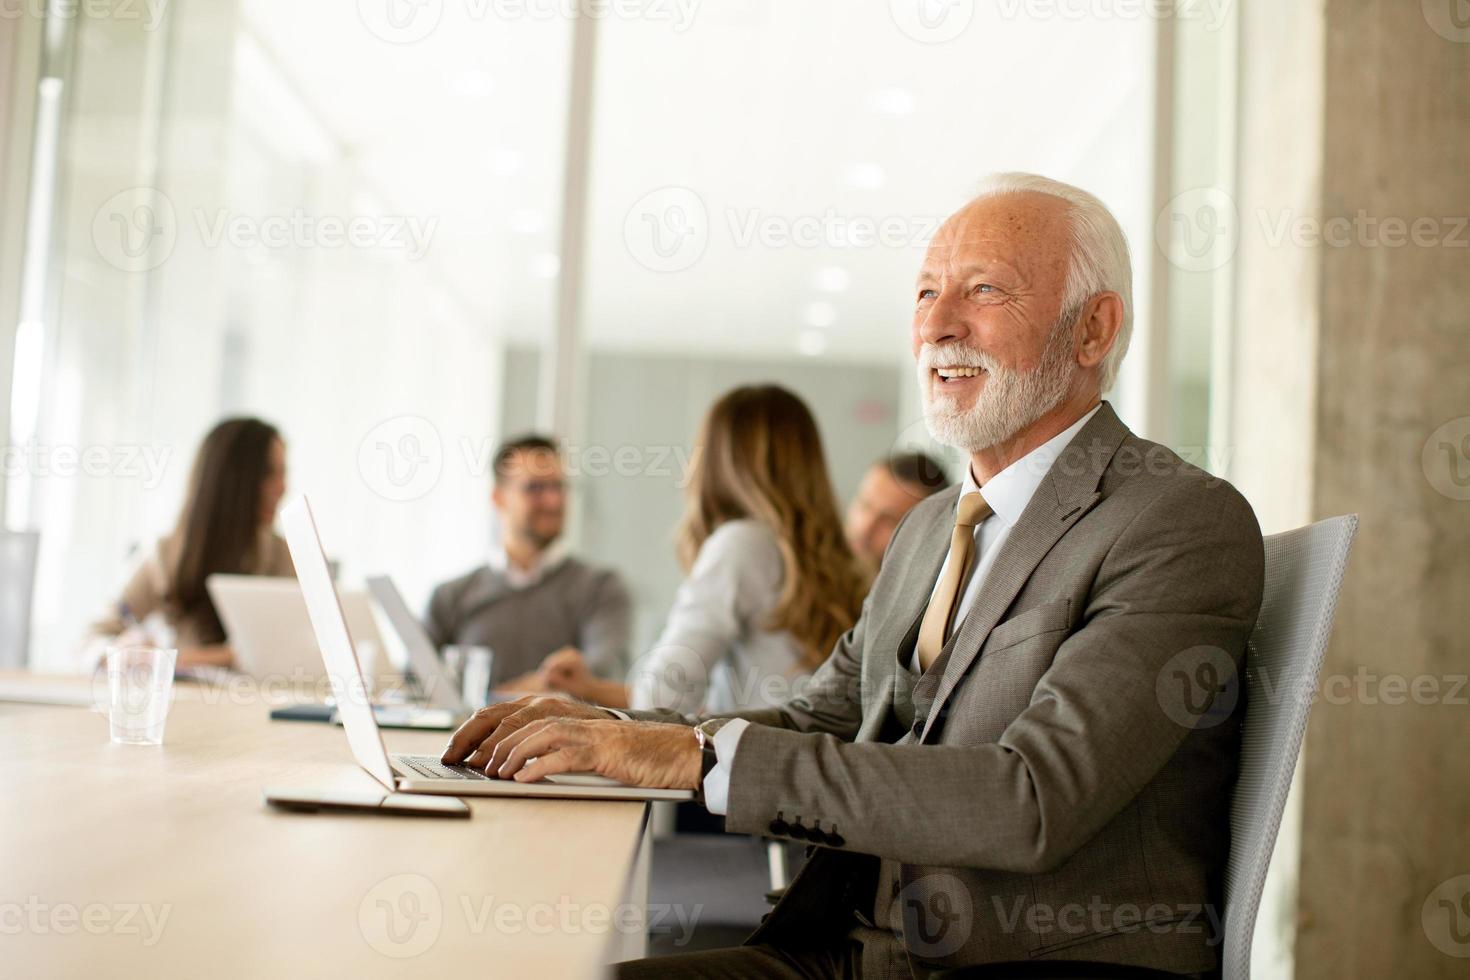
(531, 598)
(888, 491)
(237, 482)
(770, 582)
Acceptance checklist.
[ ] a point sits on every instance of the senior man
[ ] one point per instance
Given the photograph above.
(1021, 751)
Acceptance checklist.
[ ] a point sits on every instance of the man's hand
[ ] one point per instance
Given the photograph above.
(485, 729)
(639, 753)
(528, 683)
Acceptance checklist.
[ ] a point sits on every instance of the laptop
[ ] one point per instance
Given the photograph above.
(409, 773)
(435, 679)
(266, 621)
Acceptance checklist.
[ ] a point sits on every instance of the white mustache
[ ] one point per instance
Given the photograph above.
(955, 355)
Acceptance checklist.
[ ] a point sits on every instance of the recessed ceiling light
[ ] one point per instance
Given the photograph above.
(866, 176)
(832, 279)
(821, 313)
(812, 343)
(545, 265)
(893, 101)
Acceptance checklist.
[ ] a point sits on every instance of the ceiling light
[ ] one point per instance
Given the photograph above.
(812, 343)
(832, 279)
(821, 313)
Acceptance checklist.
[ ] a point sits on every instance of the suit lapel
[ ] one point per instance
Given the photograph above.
(923, 560)
(1068, 492)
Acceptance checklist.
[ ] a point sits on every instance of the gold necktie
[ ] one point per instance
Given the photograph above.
(934, 630)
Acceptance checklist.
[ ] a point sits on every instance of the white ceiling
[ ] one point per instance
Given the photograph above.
(813, 115)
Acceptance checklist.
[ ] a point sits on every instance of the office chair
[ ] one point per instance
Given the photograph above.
(17, 584)
(1304, 570)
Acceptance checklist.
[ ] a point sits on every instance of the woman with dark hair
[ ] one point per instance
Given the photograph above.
(770, 582)
(238, 480)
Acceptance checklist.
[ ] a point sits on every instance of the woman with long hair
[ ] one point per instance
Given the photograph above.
(238, 479)
(770, 583)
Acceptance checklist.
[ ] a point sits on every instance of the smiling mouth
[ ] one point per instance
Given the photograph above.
(954, 375)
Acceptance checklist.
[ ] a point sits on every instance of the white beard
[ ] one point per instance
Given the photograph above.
(1009, 401)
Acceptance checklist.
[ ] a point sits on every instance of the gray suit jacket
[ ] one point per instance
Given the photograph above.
(1063, 789)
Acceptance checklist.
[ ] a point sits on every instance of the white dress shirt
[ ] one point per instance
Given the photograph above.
(1007, 493)
(546, 562)
(715, 653)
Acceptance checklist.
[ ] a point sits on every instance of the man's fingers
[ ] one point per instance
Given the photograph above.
(473, 732)
(568, 758)
(510, 727)
(496, 753)
(546, 738)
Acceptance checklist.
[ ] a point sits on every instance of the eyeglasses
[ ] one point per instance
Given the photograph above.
(537, 488)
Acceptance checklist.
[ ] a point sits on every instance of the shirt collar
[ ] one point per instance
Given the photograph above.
(519, 578)
(1010, 490)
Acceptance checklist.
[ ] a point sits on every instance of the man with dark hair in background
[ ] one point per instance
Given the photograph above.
(531, 599)
(888, 491)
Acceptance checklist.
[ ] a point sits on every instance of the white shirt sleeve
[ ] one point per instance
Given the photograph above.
(737, 572)
(717, 783)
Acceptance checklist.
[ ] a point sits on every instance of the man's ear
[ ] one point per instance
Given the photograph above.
(497, 496)
(1102, 318)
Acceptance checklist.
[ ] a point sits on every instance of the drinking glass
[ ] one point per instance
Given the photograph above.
(140, 684)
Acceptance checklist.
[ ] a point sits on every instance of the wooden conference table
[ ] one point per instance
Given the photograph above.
(121, 861)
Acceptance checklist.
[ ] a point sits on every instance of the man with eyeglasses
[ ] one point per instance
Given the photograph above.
(531, 599)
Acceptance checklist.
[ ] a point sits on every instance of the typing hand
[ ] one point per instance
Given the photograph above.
(477, 737)
(639, 753)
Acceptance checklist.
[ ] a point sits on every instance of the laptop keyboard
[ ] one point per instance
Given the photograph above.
(432, 768)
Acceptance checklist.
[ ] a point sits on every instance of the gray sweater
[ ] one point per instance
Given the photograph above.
(572, 604)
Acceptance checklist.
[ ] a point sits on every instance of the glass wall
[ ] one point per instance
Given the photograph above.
(347, 218)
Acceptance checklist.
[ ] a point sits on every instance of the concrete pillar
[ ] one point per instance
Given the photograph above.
(1353, 394)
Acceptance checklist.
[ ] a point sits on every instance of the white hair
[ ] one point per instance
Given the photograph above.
(1099, 260)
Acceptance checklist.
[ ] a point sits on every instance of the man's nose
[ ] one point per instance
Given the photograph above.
(944, 321)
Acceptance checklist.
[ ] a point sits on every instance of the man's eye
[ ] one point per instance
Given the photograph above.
(928, 294)
(985, 287)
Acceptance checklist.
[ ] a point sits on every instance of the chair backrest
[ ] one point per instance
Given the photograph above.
(17, 583)
(1304, 570)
